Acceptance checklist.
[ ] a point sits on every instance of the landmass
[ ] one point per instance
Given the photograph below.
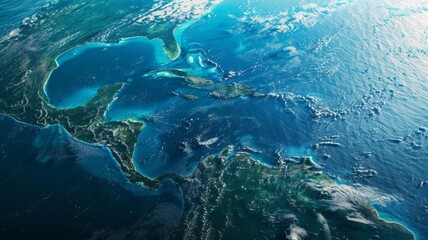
(233, 196)
(27, 59)
(235, 90)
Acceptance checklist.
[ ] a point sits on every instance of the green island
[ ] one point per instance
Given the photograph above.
(189, 78)
(235, 90)
(189, 96)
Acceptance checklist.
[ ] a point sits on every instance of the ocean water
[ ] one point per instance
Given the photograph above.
(14, 11)
(56, 186)
(344, 82)
(84, 70)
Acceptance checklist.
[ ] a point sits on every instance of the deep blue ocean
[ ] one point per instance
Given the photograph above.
(344, 82)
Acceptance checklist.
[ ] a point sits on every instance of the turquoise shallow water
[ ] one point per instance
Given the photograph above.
(76, 88)
(343, 81)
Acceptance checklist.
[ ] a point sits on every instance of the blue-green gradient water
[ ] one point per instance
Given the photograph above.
(345, 82)
(14, 11)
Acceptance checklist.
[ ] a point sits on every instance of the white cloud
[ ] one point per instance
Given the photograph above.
(177, 11)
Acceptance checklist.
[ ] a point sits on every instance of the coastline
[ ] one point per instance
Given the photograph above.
(171, 176)
(80, 48)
